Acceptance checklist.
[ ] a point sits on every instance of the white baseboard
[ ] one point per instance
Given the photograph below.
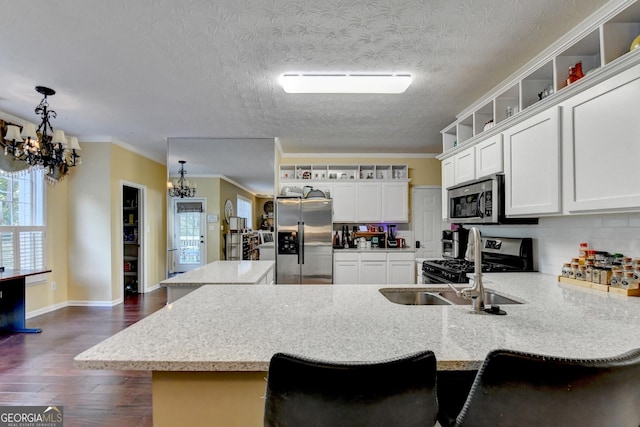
(45, 310)
(153, 288)
(76, 303)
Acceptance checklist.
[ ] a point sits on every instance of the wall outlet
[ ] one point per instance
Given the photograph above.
(53, 286)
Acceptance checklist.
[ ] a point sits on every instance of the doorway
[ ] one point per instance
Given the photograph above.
(427, 223)
(133, 247)
(189, 229)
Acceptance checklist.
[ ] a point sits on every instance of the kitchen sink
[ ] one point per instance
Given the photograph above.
(413, 297)
(440, 297)
(490, 298)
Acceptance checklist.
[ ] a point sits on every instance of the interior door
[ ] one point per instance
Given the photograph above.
(190, 234)
(427, 221)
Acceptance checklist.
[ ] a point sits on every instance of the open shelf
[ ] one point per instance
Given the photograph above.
(606, 39)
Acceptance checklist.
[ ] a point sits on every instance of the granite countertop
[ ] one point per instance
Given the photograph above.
(239, 328)
(222, 272)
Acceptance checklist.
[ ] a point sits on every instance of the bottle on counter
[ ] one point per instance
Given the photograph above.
(566, 268)
(582, 252)
(588, 271)
(616, 276)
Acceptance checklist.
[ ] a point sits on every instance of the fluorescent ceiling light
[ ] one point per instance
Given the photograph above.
(345, 83)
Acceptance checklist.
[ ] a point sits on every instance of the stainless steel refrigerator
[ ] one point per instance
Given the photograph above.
(304, 252)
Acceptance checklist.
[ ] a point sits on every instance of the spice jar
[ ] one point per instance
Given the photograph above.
(580, 273)
(605, 276)
(566, 268)
(595, 275)
(616, 276)
(588, 271)
(574, 270)
(628, 282)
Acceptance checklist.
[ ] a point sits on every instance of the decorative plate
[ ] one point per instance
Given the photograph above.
(306, 175)
(268, 207)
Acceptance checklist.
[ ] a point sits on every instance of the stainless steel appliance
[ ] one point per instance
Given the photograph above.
(304, 251)
(498, 255)
(480, 202)
(454, 243)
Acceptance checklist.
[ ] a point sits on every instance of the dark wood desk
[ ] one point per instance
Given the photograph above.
(12, 301)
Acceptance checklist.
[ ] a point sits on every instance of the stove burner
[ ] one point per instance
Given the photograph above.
(456, 270)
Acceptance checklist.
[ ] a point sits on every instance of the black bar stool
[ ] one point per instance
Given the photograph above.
(531, 390)
(312, 393)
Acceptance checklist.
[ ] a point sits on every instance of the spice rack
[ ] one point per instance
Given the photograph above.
(599, 287)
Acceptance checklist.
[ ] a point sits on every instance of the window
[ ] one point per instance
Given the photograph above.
(22, 228)
(245, 210)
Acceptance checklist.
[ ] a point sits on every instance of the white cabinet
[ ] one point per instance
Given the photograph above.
(400, 268)
(373, 268)
(447, 181)
(601, 149)
(344, 201)
(352, 267)
(395, 201)
(489, 159)
(532, 165)
(464, 166)
(368, 201)
(346, 268)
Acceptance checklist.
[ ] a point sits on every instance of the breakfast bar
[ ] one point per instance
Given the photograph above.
(219, 273)
(216, 368)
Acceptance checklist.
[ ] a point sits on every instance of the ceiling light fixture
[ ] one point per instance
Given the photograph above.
(358, 83)
(181, 187)
(43, 147)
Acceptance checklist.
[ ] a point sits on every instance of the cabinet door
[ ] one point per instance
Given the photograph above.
(369, 204)
(395, 201)
(346, 272)
(532, 165)
(373, 272)
(401, 272)
(464, 165)
(489, 157)
(344, 202)
(601, 148)
(447, 181)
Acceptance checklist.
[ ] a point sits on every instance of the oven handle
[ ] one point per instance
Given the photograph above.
(481, 205)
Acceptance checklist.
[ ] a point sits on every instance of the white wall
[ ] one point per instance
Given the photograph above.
(557, 238)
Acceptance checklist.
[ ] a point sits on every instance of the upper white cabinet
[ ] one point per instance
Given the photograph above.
(344, 201)
(369, 202)
(464, 165)
(489, 158)
(447, 181)
(395, 201)
(601, 146)
(532, 165)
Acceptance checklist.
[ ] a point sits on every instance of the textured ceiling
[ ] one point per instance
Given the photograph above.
(147, 70)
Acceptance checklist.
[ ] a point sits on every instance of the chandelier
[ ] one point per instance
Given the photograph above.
(43, 147)
(181, 187)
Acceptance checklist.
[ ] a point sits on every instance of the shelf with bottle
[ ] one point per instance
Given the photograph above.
(303, 173)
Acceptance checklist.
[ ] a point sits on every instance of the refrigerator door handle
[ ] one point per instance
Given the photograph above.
(300, 242)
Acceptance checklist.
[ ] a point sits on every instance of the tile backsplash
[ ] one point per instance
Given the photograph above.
(556, 239)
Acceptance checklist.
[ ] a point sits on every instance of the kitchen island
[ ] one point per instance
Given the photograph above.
(220, 273)
(216, 368)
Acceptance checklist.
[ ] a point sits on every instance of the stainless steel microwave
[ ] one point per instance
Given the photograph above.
(477, 202)
(480, 202)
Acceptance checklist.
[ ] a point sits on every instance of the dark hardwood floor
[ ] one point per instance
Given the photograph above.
(37, 369)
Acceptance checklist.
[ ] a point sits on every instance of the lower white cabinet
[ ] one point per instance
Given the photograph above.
(373, 268)
(532, 165)
(401, 268)
(346, 268)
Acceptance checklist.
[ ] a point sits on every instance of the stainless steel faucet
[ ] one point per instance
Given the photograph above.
(474, 253)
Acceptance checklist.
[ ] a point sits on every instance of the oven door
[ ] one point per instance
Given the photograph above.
(431, 279)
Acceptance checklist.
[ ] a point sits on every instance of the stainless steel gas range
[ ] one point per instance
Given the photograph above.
(498, 255)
